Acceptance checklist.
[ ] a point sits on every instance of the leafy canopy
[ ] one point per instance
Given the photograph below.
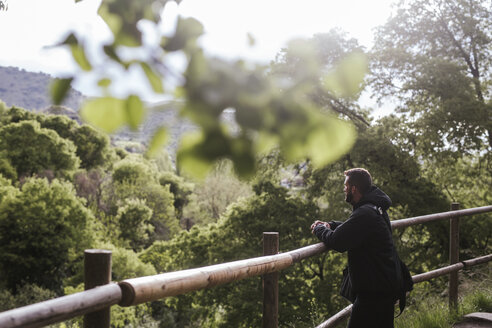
(268, 110)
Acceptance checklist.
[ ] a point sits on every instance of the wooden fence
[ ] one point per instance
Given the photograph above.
(95, 302)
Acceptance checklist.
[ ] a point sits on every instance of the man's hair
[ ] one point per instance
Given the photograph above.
(360, 178)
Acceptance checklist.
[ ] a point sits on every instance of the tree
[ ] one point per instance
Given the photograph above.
(215, 193)
(333, 51)
(267, 110)
(92, 145)
(180, 188)
(31, 149)
(238, 235)
(6, 168)
(136, 178)
(134, 220)
(42, 233)
(435, 56)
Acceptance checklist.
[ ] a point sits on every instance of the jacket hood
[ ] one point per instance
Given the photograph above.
(377, 197)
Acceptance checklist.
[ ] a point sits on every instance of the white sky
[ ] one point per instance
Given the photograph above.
(29, 25)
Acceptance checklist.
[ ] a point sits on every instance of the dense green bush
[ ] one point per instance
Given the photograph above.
(31, 149)
(42, 233)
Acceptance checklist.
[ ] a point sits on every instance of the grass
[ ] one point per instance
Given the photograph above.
(426, 308)
(434, 312)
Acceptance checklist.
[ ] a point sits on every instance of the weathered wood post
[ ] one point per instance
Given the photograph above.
(454, 249)
(97, 272)
(270, 283)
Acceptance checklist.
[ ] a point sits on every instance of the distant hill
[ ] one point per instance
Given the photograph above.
(30, 90)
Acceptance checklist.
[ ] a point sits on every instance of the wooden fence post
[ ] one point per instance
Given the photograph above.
(454, 250)
(270, 283)
(97, 272)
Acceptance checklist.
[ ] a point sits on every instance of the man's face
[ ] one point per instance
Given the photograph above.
(347, 189)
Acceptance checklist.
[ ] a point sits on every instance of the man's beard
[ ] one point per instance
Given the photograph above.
(349, 196)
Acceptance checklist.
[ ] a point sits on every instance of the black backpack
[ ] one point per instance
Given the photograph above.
(404, 278)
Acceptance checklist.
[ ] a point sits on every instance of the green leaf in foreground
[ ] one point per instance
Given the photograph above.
(158, 141)
(78, 54)
(347, 78)
(187, 29)
(59, 90)
(154, 79)
(135, 111)
(188, 157)
(104, 83)
(330, 141)
(107, 114)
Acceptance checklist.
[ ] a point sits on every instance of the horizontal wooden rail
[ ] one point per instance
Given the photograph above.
(403, 223)
(145, 289)
(151, 288)
(62, 308)
(343, 314)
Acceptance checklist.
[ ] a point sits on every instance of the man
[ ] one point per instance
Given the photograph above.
(372, 263)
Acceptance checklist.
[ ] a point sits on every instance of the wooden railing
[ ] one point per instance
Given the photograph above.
(94, 303)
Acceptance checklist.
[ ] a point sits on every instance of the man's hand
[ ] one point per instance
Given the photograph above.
(317, 222)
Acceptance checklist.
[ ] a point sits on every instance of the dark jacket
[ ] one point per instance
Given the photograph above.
(366, 235)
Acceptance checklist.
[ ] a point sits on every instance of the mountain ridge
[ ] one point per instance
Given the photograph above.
(31, 90)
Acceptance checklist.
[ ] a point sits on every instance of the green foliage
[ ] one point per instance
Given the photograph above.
(32, 149)
(131, 171)
(134, 217)
(92, 147)
(434, 56)
(218, 243)
(434, 311)
(42, 233)
(59, 89)
(268, 110)
(6, 168)
(16, 114)
(136, 178)
(3, 108)
(212, 196)
(180, 189)
(337, 55)
(109, 114)
(157, 142)
(26, 294)
(6, 188)
(121, 317)
(126, 264)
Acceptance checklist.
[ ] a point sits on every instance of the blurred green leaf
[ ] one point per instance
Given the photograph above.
(71, 39)
(135, 111)
(265, 142)
(78, 54)
(59, 89)
(329, 141)
(187, 29)
(107, 114)
(243, 157)
(113, 21)
(158, 141)
(110, 51)
(347, 78)
(188, 157)
(104, 82)
(154, 79)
